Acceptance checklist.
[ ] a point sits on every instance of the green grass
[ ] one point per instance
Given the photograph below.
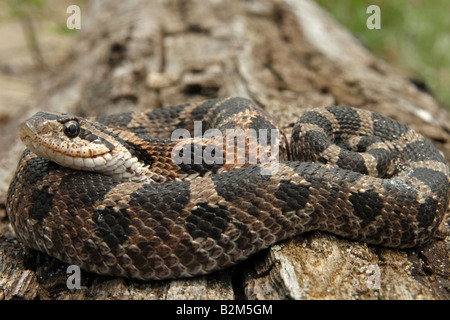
(414, 35)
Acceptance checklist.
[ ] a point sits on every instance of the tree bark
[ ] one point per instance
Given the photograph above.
(286, 55)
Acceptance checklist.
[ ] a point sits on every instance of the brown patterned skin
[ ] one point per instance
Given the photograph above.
(350, 172)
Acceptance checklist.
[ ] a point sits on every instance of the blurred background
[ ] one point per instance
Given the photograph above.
(414, 38)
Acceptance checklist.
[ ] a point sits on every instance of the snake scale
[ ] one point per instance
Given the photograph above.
(126, 208)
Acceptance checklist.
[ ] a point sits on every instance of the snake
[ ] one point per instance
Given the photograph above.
(136, 194)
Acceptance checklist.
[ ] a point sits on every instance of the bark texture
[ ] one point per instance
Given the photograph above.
(288, 56)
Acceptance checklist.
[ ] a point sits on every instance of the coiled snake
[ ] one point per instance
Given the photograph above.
(143, 215)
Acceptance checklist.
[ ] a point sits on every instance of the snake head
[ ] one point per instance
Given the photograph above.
(68, 140)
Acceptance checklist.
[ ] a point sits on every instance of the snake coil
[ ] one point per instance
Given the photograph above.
(101, 194)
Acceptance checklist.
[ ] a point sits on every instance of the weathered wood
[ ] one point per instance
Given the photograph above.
(288, 56)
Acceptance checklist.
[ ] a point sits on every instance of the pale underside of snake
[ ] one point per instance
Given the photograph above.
(107, 195)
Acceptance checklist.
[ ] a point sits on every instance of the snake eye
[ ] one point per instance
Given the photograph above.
(72, 129)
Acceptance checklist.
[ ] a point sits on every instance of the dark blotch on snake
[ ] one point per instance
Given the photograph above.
(316, 140)
(193, 156)
(351, 161)
(426, 212)
(346, 118)
(388, 128)
(317, 119)
(112, 226)
(207, 221)
(428, 151)
(140, 153)
(294, 196)
(367, 206)
(42, 203)
(434, 179)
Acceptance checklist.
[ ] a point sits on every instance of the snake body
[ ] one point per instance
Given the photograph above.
(347, 171)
